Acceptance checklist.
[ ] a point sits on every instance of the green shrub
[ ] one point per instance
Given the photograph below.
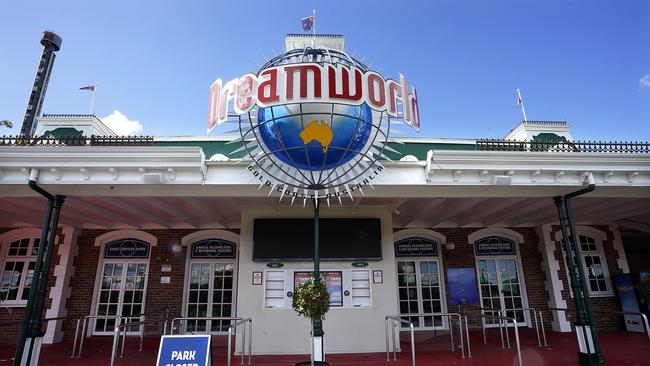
(311, 300)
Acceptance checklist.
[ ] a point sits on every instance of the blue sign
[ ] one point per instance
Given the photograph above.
(494, 245)
(461, 283)
(627, 297)
(213, 248)
(184, 350)
(127, 248)
(416, 247)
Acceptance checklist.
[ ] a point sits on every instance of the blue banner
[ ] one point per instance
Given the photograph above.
(416, 247)
(627, 297)
(127, 248)
(494, 245)
(461, 283)
(213, 248)
(184, 350)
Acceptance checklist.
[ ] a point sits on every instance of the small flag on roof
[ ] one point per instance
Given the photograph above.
(89, 87)
(308, 23)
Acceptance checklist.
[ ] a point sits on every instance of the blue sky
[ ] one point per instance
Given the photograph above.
(153, 61)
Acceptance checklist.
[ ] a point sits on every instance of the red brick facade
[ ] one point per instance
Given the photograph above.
(163, 297)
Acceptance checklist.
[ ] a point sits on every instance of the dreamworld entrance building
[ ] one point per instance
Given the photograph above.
(184, 227)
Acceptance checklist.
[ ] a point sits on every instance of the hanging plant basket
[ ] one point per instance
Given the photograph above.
(311, 300)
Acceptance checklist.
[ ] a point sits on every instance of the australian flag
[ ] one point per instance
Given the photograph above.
(307, 23)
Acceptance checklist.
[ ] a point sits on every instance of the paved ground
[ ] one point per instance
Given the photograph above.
(620, 348)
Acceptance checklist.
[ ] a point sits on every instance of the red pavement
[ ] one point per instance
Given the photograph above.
(620, 348)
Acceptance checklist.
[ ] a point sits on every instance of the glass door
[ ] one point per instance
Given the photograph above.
(419, 291)
(210, 294)
(500, 287)
(122, 292)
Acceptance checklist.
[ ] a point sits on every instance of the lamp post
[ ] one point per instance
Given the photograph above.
(317, 330)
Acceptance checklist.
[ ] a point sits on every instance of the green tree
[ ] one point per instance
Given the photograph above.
(6, 123)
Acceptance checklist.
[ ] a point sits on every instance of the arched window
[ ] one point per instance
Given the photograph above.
(593, 263)
(17, 259)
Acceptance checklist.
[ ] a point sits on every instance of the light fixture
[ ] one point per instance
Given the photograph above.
(176, 248)
(450, 245)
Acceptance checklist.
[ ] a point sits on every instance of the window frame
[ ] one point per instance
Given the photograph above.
(599, 237)
(5, 243)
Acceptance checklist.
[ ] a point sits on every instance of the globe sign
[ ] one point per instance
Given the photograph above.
(316, 140)
(324, 143)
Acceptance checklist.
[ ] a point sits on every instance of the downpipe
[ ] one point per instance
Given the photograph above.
(32, 323)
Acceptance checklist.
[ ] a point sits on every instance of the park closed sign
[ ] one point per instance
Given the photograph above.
(184, 350)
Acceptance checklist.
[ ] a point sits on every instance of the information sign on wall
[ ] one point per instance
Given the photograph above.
(462, 286)
(213, 248)
(127, 248)
(416, 247)
(184, 350)
(494, 245)
(333, 282)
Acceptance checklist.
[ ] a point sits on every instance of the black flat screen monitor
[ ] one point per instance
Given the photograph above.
(293, 239)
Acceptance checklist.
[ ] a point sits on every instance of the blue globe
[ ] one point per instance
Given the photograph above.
(315, 136)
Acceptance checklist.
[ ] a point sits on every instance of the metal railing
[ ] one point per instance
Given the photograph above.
(504, 319)
(239, 321)
(537, 318)
(393, 320)
(125, 327)
(630, 147)
(117, 318)
(62, 141)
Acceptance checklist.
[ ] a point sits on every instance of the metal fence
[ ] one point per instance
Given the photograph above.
(64, 141)
(630, 147)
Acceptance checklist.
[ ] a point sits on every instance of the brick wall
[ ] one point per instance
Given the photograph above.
(462, 256)
(159, 297)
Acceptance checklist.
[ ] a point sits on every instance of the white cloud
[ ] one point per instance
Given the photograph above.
(644, 82)
(121, 125)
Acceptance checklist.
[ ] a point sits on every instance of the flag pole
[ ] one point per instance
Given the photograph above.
(523, 110)
(92, 100)
(313, 40)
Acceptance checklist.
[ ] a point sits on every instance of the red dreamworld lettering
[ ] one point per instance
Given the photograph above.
(344, 84)
(376, 85)
(303, 70)
(394, 93)
(345, 87)
(415, 109)
(267, 91)
(213, 104)
(244, 100)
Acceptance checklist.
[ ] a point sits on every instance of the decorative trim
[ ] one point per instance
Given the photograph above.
(554, 285)
(617, 242)
(503, 232)
(124, 234)
(22, 233)
(209, 234)
(421, 233)
(60, 292)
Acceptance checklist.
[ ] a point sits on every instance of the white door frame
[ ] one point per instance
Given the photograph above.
(187, 242)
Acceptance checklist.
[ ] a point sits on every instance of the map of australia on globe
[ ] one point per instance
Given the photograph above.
(317, 131)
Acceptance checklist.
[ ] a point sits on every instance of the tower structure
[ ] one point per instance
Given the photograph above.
(51, 44)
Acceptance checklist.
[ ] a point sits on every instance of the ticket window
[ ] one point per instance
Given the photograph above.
(348, 288)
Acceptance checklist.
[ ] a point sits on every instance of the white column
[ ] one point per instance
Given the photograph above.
(553, 284)
(618, 245)
(59, 293)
